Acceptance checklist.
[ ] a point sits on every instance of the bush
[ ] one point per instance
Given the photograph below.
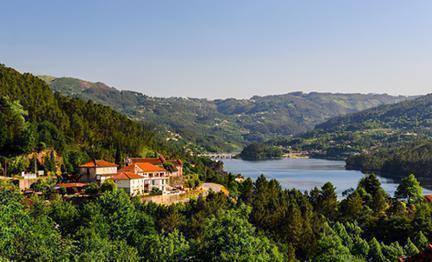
(155, 191)
(92, 189)
(192, 181)
(108, 185)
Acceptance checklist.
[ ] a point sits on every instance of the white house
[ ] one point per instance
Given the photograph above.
(132, 183)
(154, 176)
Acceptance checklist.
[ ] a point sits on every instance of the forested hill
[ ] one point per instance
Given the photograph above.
(225, 124)
(410, 158)
(412, 115)
(34, 119)
(405, 143)
(370, 130)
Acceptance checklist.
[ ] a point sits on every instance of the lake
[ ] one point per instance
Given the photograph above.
(305, 174)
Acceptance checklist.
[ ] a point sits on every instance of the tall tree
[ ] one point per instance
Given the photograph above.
(410, 188)
(230, 237)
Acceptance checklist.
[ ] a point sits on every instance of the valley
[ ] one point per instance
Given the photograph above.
(216, 131)
(224, 125)
(134, 185)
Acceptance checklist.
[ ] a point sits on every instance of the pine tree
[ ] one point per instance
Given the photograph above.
(118, 157)
(421, 240)
(392, 251)
(343, 234)
(375, 252)
(331, 247)
(410, 188)
(360, 247)
(410, 248)
(327, 201)
(293, 225)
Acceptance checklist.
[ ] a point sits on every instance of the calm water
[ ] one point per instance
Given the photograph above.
(305, 174)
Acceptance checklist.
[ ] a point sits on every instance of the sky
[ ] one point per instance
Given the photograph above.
(224, 48)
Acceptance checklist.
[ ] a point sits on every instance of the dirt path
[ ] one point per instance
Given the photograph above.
(204, 189)
(214, 187)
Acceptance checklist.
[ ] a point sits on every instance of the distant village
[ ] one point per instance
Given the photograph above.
(139, 176)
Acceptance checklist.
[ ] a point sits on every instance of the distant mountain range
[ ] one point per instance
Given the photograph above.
(225, 124)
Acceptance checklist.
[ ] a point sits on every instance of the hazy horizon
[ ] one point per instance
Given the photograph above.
(225, 49)
(216, 98)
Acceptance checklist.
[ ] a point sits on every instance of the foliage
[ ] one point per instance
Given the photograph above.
(260, 151)
(331, 247)
(92, 189)
(36, 118)
(410, 188)
(192, 181)
(230, 237)
(155, 191)
(166, 247)
(410, 248)
(224, 124)
(108, 186)
(266, 223)
(400, 160)
(25, 237)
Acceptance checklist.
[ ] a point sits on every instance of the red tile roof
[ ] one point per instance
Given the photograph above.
(155, 161)
(126, 176)
(130, 168)
(71, 185)
(145, 167)
(98, 163)
(148, 167)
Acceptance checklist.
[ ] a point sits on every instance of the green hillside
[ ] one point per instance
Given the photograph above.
(410, 158)
(35, 119)
(414, 115)
(225, 124)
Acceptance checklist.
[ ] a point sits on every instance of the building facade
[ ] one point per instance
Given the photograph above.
(97, 171)
(154, 176)
(132, 183)
(135, 178)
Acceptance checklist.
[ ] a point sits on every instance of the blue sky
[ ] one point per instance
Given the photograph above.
(224, 48)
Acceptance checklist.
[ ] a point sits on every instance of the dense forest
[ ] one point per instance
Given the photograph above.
(264, 223)
(225, 124)
(409, 158)
(256, 151)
